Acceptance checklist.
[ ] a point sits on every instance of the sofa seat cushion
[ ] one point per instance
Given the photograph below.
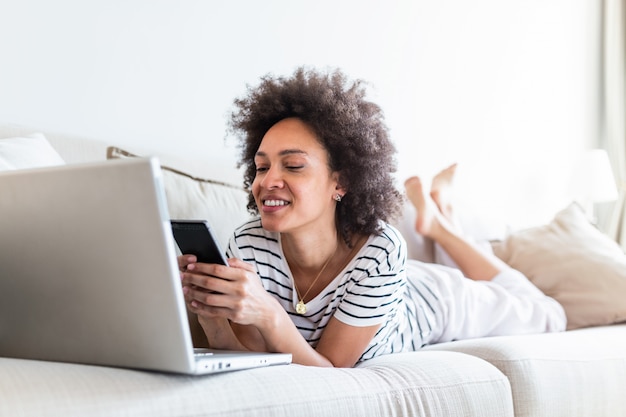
(416, 384)
(419, 384)
(569, 374)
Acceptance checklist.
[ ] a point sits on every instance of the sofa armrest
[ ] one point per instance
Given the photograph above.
(575, 373)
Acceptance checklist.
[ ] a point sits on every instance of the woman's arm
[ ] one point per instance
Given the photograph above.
(341, 345)
(220, 334)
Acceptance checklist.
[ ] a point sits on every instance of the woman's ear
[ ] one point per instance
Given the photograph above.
(339, 189)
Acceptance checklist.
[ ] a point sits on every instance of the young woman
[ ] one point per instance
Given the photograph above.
(320, 273)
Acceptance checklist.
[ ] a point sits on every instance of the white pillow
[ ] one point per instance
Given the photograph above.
(30, 151)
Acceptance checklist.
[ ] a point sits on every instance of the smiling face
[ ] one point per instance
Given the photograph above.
(294, 186)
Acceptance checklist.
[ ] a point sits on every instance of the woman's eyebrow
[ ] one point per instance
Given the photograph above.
(284, 152)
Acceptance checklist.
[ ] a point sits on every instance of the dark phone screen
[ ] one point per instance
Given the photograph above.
(196, 238)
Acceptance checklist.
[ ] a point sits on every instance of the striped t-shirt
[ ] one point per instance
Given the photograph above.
(371, 290)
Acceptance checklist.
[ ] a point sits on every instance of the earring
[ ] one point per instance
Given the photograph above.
(337, 197)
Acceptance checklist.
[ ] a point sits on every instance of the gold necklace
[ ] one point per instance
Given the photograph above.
(301, 306)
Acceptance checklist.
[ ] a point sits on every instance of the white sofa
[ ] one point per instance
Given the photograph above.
(580, 372)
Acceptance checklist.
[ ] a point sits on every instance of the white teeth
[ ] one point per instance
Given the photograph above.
(275, 203)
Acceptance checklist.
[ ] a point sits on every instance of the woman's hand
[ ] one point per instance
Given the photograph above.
(230, 303)
(232, 292)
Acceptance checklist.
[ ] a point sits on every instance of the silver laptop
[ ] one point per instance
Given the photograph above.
(88, 272)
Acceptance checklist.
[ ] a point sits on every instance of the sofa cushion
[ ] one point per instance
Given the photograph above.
(573, 262)
(189, 197)
(578, 373)
(414, 384)
(29, 151)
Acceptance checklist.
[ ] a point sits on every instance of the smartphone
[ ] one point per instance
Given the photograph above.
(195, 237)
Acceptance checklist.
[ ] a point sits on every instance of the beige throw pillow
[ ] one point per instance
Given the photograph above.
(192, 198)
(576, 264)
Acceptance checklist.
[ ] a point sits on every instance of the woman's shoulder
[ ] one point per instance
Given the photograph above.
(388, 237)
(387, 244)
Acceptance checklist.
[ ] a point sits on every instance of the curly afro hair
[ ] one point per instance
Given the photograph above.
(351, 129)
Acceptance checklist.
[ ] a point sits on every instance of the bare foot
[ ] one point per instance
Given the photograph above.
(441, 191)
(428, 220)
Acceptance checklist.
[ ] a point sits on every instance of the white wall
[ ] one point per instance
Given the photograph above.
(505, 87)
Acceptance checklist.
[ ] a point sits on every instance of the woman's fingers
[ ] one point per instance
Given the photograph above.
(208, 284)
(197, 297)
(233, 292)
(208, 311)
(185, 260)
(238, 263)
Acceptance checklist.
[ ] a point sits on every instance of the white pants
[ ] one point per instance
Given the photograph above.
(509, 304)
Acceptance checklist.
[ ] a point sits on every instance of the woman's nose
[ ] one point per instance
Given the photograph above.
(272, 178)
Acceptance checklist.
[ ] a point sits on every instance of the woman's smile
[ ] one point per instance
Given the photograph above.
(274, 205)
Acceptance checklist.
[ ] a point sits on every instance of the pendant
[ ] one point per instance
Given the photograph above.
(300, 307)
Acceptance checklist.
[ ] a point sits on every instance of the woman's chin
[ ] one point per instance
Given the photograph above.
(270, 226)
